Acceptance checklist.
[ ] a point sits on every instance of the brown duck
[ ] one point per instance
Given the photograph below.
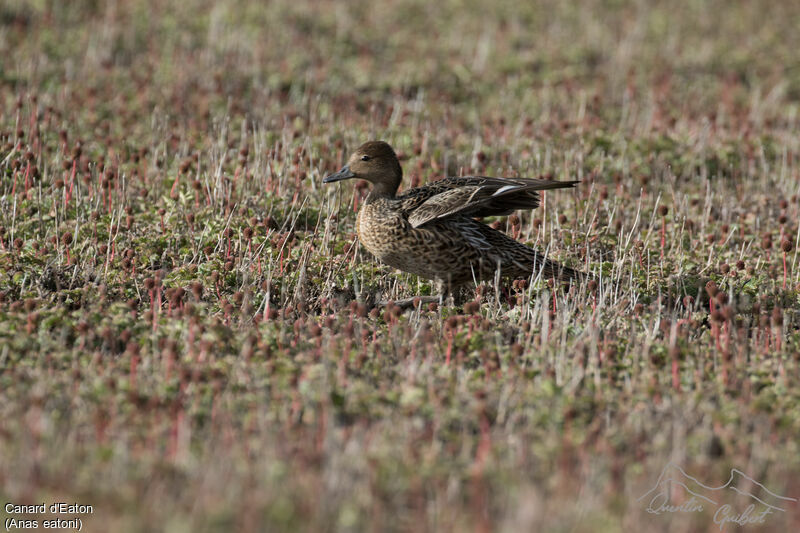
(431, 231)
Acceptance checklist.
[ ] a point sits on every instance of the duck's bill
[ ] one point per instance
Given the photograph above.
(344, 174)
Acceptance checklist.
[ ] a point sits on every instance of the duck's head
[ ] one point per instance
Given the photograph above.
(373, 161)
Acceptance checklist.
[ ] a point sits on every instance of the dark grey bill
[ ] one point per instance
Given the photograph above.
(344, 174)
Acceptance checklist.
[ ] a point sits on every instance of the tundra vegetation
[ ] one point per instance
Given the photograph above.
(186, 336)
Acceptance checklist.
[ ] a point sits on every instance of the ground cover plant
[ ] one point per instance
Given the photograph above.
(187, 337)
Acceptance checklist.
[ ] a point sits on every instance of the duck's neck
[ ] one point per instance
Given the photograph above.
(382, 190)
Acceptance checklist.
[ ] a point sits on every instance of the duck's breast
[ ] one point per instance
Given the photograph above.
(380, 229)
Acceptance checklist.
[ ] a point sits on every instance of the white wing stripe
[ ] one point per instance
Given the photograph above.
(506, 188)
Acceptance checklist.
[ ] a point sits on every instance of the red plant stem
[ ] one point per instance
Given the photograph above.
(69, 190)
(716, 332)
(174, 186)
(784, 270)
(156, 307)
(27, 176)
(663, 232)
(233, 185)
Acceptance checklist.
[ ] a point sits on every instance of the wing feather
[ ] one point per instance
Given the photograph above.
(475, 196)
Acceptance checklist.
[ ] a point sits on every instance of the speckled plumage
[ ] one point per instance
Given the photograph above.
(430, 230)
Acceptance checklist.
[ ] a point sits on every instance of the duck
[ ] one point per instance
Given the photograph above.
(433, 230)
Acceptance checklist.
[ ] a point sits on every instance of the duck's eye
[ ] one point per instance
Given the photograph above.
(365, 158)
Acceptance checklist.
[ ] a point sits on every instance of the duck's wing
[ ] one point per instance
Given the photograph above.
(475, 196)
